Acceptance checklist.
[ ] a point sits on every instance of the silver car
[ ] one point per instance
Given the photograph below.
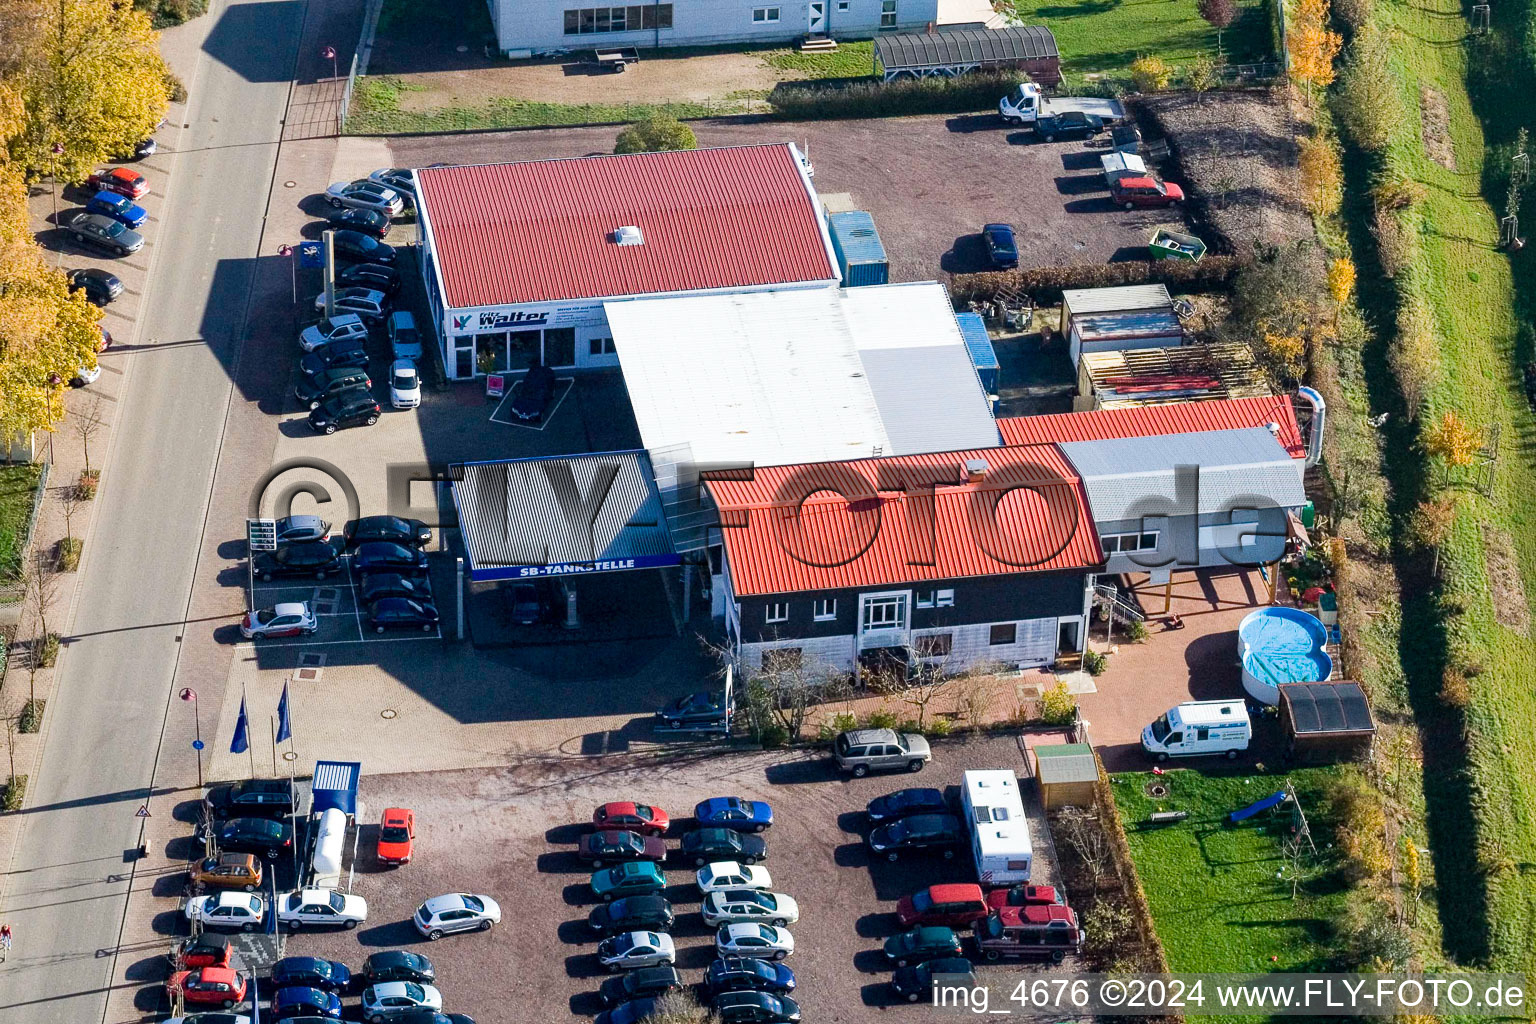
(636, 949)
(105, 233)
(862, 751)
(365, 195)
(456, 912)
(365, 302)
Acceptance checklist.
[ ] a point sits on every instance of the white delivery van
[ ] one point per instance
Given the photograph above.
(994, 812)
(1199, 727)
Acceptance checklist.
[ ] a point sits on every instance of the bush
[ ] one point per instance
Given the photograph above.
(1360, 822)
(1045, 284)
(175, 89)
(1368, 100)
(1414, 356)
(656, 135)
(841, 722)
(1374, 941)
(1095, 663)
(1354, 13)
(1136, 631)
(31, 717)
(802, 101)
(1108, 927)
(1058, 706)
(69, 553)
(165, 13)
(1455, 688)
(15, 792)
(89, 482)
(773, 736)
(883, 718)
(1151, 74)
(1395, 243)
(51, 648)
(934, 727)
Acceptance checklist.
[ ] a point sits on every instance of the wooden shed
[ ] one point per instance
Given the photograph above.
(1068, 775)
(1326, 722)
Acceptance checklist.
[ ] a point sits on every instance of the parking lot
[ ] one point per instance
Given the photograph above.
(511, 833)
(338, 609)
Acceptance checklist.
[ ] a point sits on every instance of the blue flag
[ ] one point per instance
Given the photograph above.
(284, 723)
(242, 741)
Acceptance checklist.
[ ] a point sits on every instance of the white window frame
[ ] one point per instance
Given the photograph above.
(824, 609)
(765, 15)
(776, 611)
(887, 13)
(1126, 543)
(900, 599)
(935, 598)
(842, 6)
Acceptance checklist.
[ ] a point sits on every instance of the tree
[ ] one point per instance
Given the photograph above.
(1322, 178)
(87, 422)
(43, 578)
(1369, 103)
(1313, 46)
(925, 683)
(1341, 280)
(1202, 75)
(1151, 74)
(1218, 13)
(1454, 440)
(655, 135)
(1085, 834)
(1430, 525)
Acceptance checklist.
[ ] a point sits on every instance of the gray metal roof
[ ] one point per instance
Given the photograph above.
(1140, 323)
(1119, 299)
(1128, 478)
(964, 47)
(1327, 707)
(600, 512)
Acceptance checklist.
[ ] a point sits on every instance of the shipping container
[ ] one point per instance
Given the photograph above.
(860, 255)
(974, 329)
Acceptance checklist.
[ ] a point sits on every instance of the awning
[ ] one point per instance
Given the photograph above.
(964, 48)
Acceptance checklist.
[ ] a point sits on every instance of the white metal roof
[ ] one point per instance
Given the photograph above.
(994, 794)
(1120, 299)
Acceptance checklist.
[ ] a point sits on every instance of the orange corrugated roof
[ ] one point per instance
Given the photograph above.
(1152, 420)
(852, 524)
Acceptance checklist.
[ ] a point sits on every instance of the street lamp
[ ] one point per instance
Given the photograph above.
(189, 694)
(58, 150)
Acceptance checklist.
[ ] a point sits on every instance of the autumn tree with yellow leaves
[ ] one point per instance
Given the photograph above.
(1322, 177)
(1312, 45)
(1454, 440)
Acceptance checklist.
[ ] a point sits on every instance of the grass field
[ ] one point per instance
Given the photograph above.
(1212, 887)
(17, 485)
(854, 59)
(1103, 37)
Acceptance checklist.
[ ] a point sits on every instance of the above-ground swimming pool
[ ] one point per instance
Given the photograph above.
(1281, 645)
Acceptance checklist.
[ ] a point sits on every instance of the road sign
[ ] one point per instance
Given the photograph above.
(187, 693)
(495, 385)
(285, 250)
(261, 534)
(329, 53)
(197, 744)
(142, 812)
(311, 255)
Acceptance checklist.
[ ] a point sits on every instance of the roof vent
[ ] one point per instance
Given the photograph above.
(628, 235)
(975, 470)
(1274, 428)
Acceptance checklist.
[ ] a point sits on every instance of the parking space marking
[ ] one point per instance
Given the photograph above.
(570, 384)
(352, 587)
(438, 635)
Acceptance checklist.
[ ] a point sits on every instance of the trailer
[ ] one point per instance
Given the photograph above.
(994, 813)
(1026, 104)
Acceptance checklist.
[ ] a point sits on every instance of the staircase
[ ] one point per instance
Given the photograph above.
(817, 44)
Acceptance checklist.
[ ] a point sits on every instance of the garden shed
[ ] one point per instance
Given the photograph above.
(1068, 774)
(1326, 722)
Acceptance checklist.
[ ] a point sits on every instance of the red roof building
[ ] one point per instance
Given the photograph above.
(1273, 411)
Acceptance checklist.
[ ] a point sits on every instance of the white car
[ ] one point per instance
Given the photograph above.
(456, 912)
(760, 941)
(291, 618)
(310, 908)
(239, 910)
(727, 874)
(404, 384)
(750, 906)
(636, 949)
(209, 1017)
(364, 194)
(365, 302)
(85, 375)
(340, 327)
(389, 999)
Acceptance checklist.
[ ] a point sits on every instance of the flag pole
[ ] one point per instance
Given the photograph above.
(272, 722)
(250, 750)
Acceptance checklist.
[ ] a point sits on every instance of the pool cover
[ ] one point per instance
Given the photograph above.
(1283, 645)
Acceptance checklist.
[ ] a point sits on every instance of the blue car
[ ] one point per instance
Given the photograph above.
(119, 208)
(734, 812)
(310, 972)
(1002, 250)
(748, 974)
(301, 1001)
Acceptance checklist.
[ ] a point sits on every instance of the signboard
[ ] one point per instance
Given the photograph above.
(495, 385)
(261, 534)
(522, 572)
(142, 812)
(311, 255)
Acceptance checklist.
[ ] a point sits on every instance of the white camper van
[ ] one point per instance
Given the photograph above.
(994, 813)
(1199, 727)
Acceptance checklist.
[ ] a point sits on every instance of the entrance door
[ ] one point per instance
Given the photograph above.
(818, 17)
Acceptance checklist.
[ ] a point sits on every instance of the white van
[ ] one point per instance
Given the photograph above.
(1199, 727)
(994, 813)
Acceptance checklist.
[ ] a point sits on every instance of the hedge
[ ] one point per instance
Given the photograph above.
(831, 100)
(1044, 284)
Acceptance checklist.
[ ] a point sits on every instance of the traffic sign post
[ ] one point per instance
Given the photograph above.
(143, 815)
(189, 694)
(293, 269)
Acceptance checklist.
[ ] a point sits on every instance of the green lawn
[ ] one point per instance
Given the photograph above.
(1212, 887)
(850, 60)
(17, 485)
(1098, 36)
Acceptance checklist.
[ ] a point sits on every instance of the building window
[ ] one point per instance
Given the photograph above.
(781, 659)
(934, 645)
(824, 609)
(935, 598)
(887, 13)
(1123, 542)
(588, 20)
(600, 347)
(842, 6)
(778, 611)
(1003, 633)
(765, 15)
(886, 612)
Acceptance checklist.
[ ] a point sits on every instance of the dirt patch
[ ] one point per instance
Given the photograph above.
(1437, 127)
(1510, 606)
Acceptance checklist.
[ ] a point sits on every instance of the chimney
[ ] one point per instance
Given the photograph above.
(975, 470)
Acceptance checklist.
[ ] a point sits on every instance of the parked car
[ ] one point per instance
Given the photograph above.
(369, 275)
(365, 302)
(1002, 250)
(734, 812)
(941, 832)
(921, 944)
(85, 375)
(861, 751)
(100, 286)
(712, 844)
(1069, 124)
(645, 983)
(763, 941)
(388, 1000)
(614, 845)
(693, 710)
(916, 982)
(252, 835)
(735, 973)
(341, 327)
(365, 195)
(291, 618)
(905, 802)
(320, 908)
(353, 408)
(636, 1011)
(1036, 931)
(636, 949)
(120, 180)
(404, 338)
(755, 1008)
(206, 950)
(312, 391)
(1133, 192)
(401, 613)
(218, 986)
(723, 875)
(630, 878)
(456, 912)
(1025, 896)
(311, 972)
(357, 247)
(293, 529)
(954, 905)
(646, 912)
(104, 233)
(305, 1002)
(210, 1017)
(315, 558)
(118, 207)
(234, 910)
(392, 584)
(401, 179)
(639, 818)
(404, 384)
(394, 529)
(351, 353)
(372, 223)
(381, 556)
(227, 871)
(733, 905)
(397, 836)
(532, 393)
(398, 965)
(265, 798)
(529, 603)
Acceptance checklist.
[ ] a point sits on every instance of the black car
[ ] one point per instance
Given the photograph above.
(392, 584)
(644, 983)
(394, 529)
(1002, 250)
(349, 353)
(745, 973)
(252, 835)
(99, 286)
(533, 393)
(940, 832)
(369, 275)
(398, 965)
(712, 844)
(311, 558)
(916, 983)
(401, 613)
(314, 390)
(382, 556)
(694, 709)
(267, 798)
(921, 945)
(368, 222)
(311, 972)
(632, 1012)
(1070, 124)
(755, 1008)
(906, 802)
(354, 407)
(645, 913)
(356, 247)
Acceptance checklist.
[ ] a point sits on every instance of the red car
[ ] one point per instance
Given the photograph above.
(646, 820)
(1148, 191)
(207, 950)
(120, 180)
(1025, 896)
(221, 986)
(397, 835)
(954, 906)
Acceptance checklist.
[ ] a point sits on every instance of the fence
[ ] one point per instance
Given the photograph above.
(11, 593)
(359, 65)
(1125, 869)
(1241, 74)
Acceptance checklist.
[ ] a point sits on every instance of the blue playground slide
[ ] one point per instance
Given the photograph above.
(1254, 808)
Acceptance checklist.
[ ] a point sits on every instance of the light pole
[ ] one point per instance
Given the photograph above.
(329, 53)
(57, 149)
(189, 694)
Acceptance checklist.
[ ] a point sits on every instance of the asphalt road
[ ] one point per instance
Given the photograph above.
(67, 892)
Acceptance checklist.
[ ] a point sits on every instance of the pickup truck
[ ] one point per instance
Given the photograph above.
(1026, 104)
(1049, 931)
